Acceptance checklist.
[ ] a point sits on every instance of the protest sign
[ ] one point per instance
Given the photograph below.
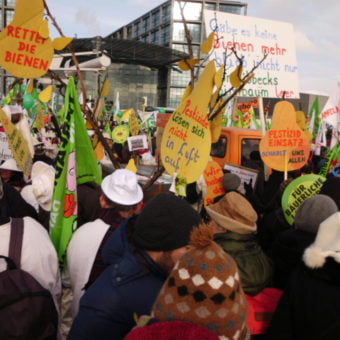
(252, 38)
(24, 51)
(139, 142)
(18, 144)
(247, 175)
(285, 146)
(162, 119)
(5, 151)
(120, 134)
(186, 140)
(299, 191)
(213, 176)
(134, 124)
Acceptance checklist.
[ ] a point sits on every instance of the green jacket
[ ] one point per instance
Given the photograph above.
(254, 266)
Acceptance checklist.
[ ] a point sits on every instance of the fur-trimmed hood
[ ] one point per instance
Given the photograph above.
(327, 243)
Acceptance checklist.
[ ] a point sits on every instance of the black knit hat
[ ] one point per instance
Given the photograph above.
(165, 224)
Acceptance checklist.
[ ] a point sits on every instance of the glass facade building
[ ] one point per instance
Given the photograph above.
(6, 16)
(164, 26)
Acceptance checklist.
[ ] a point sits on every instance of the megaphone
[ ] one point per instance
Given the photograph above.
(96, 64)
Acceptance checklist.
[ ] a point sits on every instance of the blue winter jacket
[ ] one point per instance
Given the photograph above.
(128, 286)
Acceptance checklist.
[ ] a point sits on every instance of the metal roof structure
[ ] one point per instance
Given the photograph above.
(129, 51)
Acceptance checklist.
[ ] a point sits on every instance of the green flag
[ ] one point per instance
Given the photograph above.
(315, 118)
(75, 164)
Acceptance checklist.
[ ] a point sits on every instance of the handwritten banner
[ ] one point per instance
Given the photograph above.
(18, 144)
(299, 191)
(23, 51)
(186, 140)
(285, 146)
(252, 38)
(213, 176)
(5, 151)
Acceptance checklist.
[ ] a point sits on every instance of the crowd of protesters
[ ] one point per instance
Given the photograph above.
(166, 269)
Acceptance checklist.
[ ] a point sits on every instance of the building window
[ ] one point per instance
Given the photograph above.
(10, 3)
(165, 35)
(146, 24)
(129, 32)
(175, 96)
(231, 9)
(179, 32)
(9, 14)
(166, 14)
(155, 37)
(135, 31)
(180, 78)
(191, 10)
(185, 49)
(211, 7)
(155, 19)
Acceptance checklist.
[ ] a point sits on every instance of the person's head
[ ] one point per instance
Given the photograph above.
(42, 176)
(326, 245)
(108, 139)
(8, 169)
(314, 211)
(231, 182)
(233, 213)
(163, 229)
(121, 191)
(204, 288)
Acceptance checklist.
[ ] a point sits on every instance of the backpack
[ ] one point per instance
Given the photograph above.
(27, 310)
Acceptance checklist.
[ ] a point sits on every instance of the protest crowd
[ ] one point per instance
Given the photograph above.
(92, 247)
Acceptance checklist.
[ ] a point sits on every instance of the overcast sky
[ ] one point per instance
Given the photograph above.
(315, 22)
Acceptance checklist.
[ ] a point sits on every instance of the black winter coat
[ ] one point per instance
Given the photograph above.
(310, 306)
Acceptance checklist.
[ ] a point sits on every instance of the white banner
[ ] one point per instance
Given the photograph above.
(5, 151)
(252, 38)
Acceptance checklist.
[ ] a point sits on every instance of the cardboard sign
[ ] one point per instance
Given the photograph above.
(186, 140)
(23, 50)
(252, 38)
(213, 176)
(138, 143)
(299, 191)
(18, 144)
(134, 124)
(246, 174)
(285, 146)
(162, 119)
(5, 151)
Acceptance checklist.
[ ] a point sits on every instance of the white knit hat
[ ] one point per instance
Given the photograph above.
(326, 244)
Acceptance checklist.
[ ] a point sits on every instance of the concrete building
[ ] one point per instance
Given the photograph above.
(164, 26)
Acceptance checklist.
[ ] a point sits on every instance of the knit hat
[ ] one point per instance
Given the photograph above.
(170, 330)
(204, 288)
(231, 181)
(122, 187)
(165, 224)
(234, 213)
(326, 244)
(313, 211)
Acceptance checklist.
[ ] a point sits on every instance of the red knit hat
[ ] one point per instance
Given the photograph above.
(170, 330)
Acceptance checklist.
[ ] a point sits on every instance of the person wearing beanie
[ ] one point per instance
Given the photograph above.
(231, 181)
(202, 289)
(140, 255)
(310, 306)
(120, 199)
(287, 250)
(234, 220)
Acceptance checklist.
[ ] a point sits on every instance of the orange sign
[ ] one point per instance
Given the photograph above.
(213, 176)
(285, 146)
